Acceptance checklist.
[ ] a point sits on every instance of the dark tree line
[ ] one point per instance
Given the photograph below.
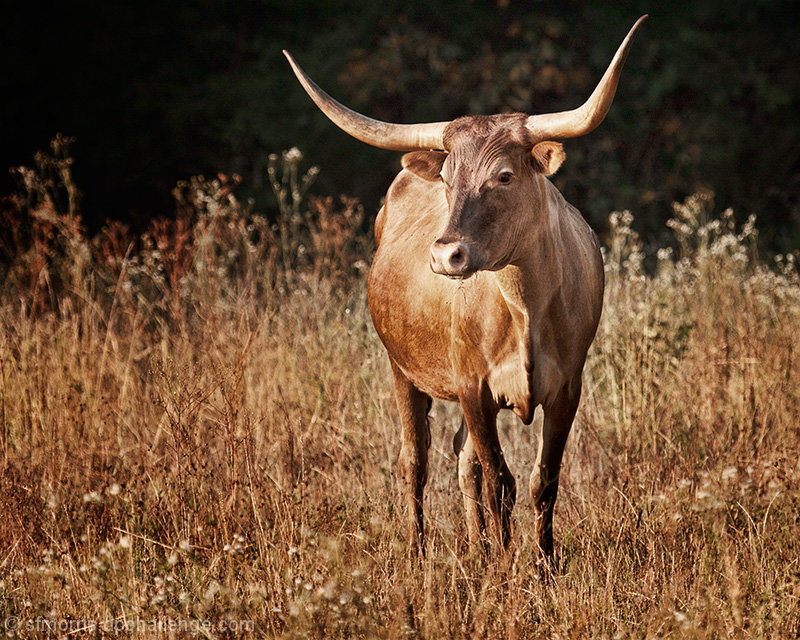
(157, 91)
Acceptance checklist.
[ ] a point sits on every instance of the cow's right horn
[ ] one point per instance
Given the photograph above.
(399, 137)
(580, 121)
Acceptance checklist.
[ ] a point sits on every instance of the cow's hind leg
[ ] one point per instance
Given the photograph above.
(480, 412)
(558, 417)
(470, 479)
(413, 406)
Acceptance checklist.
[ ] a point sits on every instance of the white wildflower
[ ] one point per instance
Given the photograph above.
(293, 155)
(730, 474)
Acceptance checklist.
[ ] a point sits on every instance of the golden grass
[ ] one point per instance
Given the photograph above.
(193, 434)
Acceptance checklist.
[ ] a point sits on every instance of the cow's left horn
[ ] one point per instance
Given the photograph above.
(399, 137)
(580, 121)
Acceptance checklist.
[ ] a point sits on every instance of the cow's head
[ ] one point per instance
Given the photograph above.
(488, 164)
(489, 176)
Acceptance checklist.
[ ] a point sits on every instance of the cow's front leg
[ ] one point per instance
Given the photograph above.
(480, 412)
(416, 436)
(470, 479)
(556, 425)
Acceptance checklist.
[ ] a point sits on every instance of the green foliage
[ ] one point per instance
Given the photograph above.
(708, 98)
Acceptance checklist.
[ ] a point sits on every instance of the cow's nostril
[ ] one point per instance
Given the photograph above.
(450, 258)
(458, 259)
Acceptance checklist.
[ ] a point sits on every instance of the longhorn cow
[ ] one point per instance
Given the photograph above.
(486, 289)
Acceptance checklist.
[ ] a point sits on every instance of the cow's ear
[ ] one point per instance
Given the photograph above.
(425, 164)
(548, 157)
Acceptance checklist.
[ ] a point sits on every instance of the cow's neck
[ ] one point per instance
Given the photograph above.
(533, 282)
(535, 275)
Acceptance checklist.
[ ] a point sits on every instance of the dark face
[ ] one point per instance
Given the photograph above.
(492, 188)
(485, 181)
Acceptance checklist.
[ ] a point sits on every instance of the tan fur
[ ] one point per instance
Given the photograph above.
(548, 157)
(514, 334)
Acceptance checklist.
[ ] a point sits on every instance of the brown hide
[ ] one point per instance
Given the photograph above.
(512, 334)
(523, 330)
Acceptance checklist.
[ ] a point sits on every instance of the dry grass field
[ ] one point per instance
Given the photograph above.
(198, 438)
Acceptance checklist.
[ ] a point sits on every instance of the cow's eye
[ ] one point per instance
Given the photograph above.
(505, 177)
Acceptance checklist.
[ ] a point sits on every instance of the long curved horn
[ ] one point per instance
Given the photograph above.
(399, 137)
(580, 121)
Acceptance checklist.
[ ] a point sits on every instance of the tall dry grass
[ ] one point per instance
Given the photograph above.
(198, 425)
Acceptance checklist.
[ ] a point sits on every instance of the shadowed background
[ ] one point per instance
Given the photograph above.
(157, 92)
(197, 421)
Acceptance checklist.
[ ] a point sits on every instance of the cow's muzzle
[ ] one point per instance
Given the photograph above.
(451, 259)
